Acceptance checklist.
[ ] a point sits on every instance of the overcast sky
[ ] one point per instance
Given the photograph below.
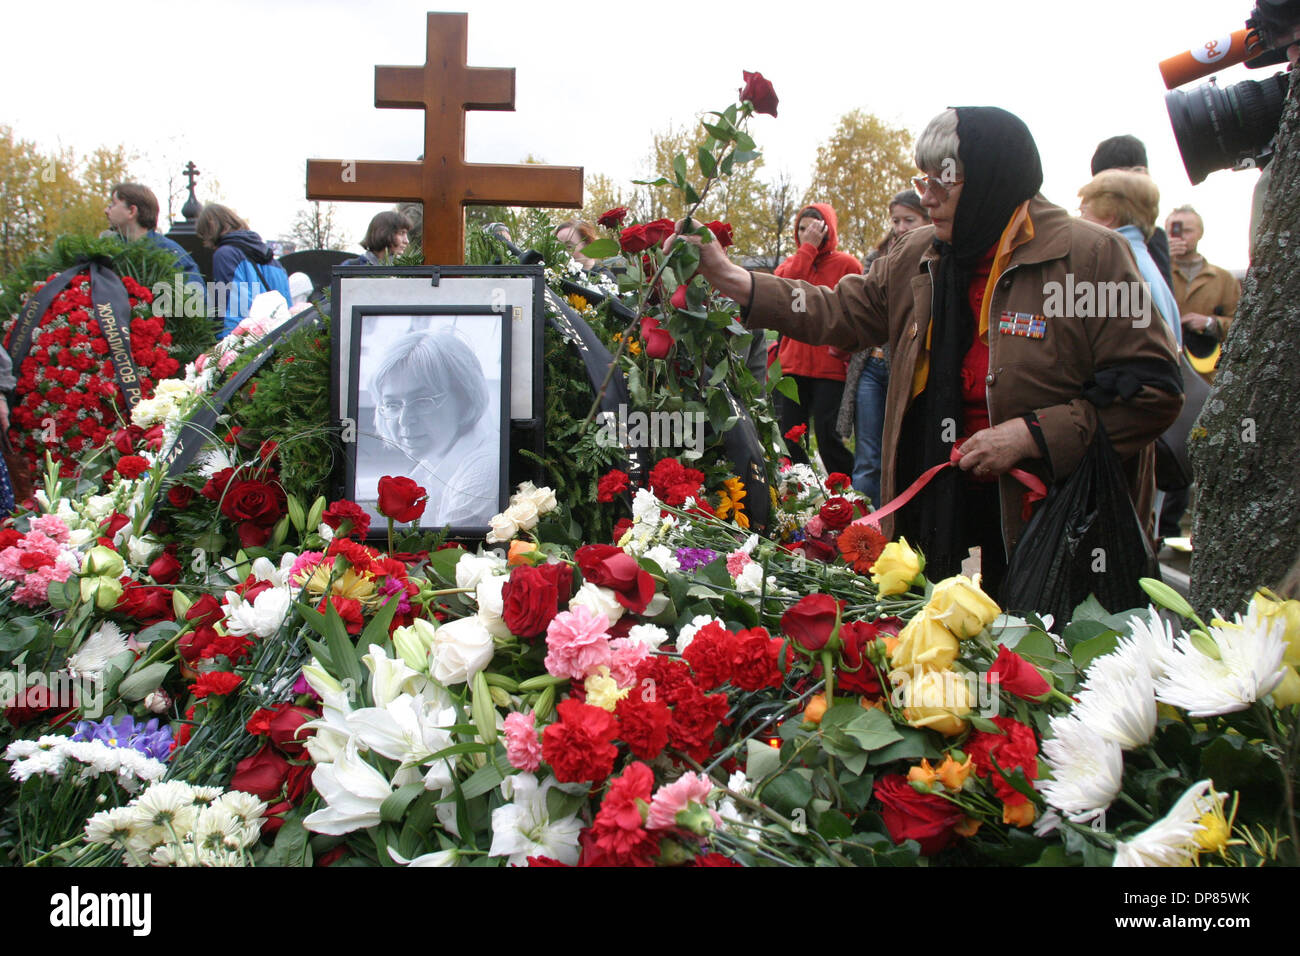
(250, 90)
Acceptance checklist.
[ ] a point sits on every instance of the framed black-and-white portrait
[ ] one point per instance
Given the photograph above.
(426, 387)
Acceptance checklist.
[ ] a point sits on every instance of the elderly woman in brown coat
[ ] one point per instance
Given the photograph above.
(991, 350)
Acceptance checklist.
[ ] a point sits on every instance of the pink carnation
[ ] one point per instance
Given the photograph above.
(227, 359)
(577, 643)
(737, 561)
(35, 590)
(625, 655)
(51, 526)
(815, 527)
(305, 566)
(523, 747)
(671, 799)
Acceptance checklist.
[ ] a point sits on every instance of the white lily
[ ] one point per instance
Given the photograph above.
(354, 792)
(1171, 841)
(523, 828)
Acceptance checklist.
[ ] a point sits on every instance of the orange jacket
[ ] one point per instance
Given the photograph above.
(822, 266)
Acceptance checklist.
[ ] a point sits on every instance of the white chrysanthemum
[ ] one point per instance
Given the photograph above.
(645, 507)
(137, 768)
(687, 633)
(1087, 770)
(1171, 841)
(1250, 666)
(92, 657)
(651, 635)
(245, 807)
(263, 616)
(663, 556)
(205, 796)
(213, 461)
(1140, 652)
(1120, 708)
(115, 826)
(218, 829)
(97, 755)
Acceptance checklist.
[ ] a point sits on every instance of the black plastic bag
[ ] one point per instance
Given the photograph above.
(1084, 539)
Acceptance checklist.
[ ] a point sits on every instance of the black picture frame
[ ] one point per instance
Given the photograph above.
(514, 293)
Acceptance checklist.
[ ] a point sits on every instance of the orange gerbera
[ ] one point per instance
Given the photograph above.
(861, 545)
(733, 489)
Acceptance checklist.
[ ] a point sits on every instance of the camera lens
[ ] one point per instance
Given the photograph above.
(1222, 128)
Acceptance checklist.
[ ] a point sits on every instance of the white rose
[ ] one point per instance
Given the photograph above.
(524, 514)
(598, 600)
(541, 499)
(460, 650)
(471, 568)
(98, 507)
(140, 551)
(503, 528)
(491, 604)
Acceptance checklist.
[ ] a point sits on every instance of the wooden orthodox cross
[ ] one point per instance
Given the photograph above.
(445, 88)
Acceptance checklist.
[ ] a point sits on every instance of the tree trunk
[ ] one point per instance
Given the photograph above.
(1246, 447)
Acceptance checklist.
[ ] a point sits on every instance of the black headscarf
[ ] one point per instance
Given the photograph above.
(1001, 169)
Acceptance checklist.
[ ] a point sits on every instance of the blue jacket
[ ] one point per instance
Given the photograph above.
(247, 264)
(184, 261)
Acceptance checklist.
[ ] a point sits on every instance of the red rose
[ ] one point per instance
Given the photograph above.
(856, 674)
(610, 485)
(33, 701)
(260, 503)
(810, 622)
(837, 513)
(721, 231)
(643, 724)
(758, 90)
(633, 239)
(659, 230)
(610, 567)
(123, 439)
(165, 569)
(284, 729)
(658, 340)
(533, 596)
(714, 859)
(579, 745)
(178, 496)
(756, 664)
(205, 612)
(613, 218)
(796, 433)
(131, 467)
(350, 511)
(263, 774)
(145, 603)
(710, 655)
(678, 298)
(113, 524)
(1016, 675)
(401, 499)
(815, 550)
(909, 815)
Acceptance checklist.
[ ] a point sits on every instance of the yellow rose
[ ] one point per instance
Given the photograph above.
(924, 642)
(923, 774)
(962, 606)
(1271, 608)
(816, 709)
(896, 568)
(1288, 692)
(953, 774)
(936, 699)
(1020, 815)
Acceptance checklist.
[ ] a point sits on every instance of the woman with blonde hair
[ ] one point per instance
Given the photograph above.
(1128, 201)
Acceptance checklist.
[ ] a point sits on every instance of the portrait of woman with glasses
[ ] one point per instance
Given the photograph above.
(434, 423)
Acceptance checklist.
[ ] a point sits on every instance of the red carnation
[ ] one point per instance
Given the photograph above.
(643, 723)
(909, 815)
(758, 91)
(695, 721)
(796, 433)
(579, 746)
(216, 684)
(721, 231)
(613, 218)
(401, 499)
(838, 481)
(351, 512)
(710, 655)
(610, 485)
(1015, 747)
(618, 833)
(757, 659)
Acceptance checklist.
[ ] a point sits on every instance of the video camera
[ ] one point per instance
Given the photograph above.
(1231, 127)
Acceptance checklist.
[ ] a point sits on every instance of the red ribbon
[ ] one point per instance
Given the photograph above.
(1037, 490)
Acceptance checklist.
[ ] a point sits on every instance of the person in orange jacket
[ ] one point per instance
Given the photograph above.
(818, 370)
